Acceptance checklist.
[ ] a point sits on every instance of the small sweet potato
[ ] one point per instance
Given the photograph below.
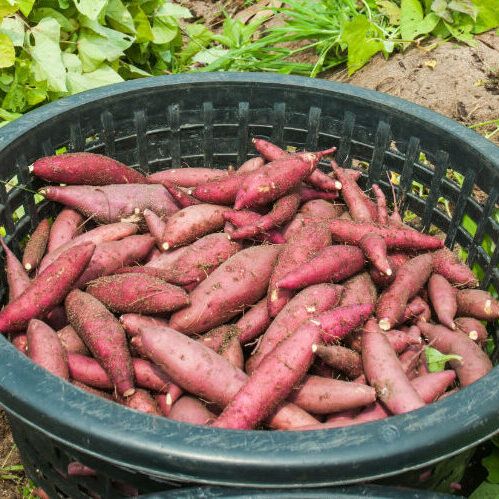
(17, 278)
(417, 309)
(220, 191)
(191, 410)
(155, 225)
(253, 322)
(36, 245)
(344, 359)
(319, 208)
(181, 197)
(67, 224)
(374, 249)
(447, 264)
(251, 165)
(443, 299)
(71, 342)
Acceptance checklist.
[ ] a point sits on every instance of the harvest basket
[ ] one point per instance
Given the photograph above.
(209, 119)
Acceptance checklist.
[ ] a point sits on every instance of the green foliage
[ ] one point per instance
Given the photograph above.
(436, 360)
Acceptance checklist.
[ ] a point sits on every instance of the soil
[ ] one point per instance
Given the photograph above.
(456, 80)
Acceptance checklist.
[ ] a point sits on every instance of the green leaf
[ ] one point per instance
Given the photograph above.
(165, 30)
(129, 71)
(72, 63)
(391, 10)
(488, 15)
(144, 32)
(7, 52)
(7, 8)
(210, 55)
(25, 6)
(199, 37)
(486, 491)
(8, 116)
(119, 17)
(413, 22)
(46, 54)
(465, 7)
(491, 463)
(440, 8)
(13, 27)
(104, 75)
(461, 30)
(359, 35)
(90, 8)
(436, 360)
(174, 10)
(66, 24)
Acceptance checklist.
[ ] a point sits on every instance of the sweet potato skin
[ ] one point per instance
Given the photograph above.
(384, 372)
(253, 322)
(45, 348)
(443, 298)
(359, 290)
(319, 208)
(341, 358)
(187, 177)
(478, 304)
(237, 284)
(47, 290)
(473, 328)
(475, 363)
(36, 245)
(142, 401)
(89, 317)
(71, 342)
(65, 227)
(191, 410)
(447, 264)
(221, 191)
(395, 261)
(17, 278)
(374, 248)
(225, 342)
(85, 168)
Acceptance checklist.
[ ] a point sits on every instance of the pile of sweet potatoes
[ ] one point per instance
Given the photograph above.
(273, 296)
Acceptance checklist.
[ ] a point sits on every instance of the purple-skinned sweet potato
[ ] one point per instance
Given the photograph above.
(272, 381)
(191, 410)
(309, 194)
(251, 165)
(447, 264)
(253, 322)
(17, 278)
(71, 342)
(113, 203)
(417, 309)
(332, 264)
(400, 340)
(85, 168)
(141, 400)
(87, 370)
(47, 290)
(191, 223)
(475, 362)
(395, 261)
(45, 348)
(221, 191)
(224, 341)
(443, 298)
(167, 259)
(187, 177)
(305, 305)
(410, 278)
(319, 208)
(104, 337)
(478, 304)
(137, 293)
(341, 358)
(155, 225)
(237, 284)
(432, 385)
(359, 290)
(473, 328)
(181, 197)
(374, 249)
(20, 342)
(36, 245)
(67, 224)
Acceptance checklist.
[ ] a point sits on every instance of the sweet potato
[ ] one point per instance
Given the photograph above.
(104, 233)
(113, 203)
(36, 245)
(75, 468)
(206, 374)
(166, 401)
(400, 340)
(17, 278)
(344, 359)
(167, 259)
(142, 401)
(410, 278)
(277, 178)
(359, 290)
(473, 328)
(191, 223)
(85, 168)
(251, 165)
(253, 322)
(155, 225)
(306, 304)
(225, 342)
(478, 304)
(303, 246)
(182, 198)
(332, 264)
(272, 380)
(322, 396)
(319, 208)
(104, 337)
(191, 410)
(45, 348)
(67, 224)
(20, 342)
(374, 248)
(88, 371)
(187, 177)
(475, 362)
(382, 217)
(142, 269)
(411, 360)
(337, 323)
(395, 261)
(359, 205)
(220, 191)
(201, 258)
(137, 293)
(237, 284)
(56, 318)
(417, 309)
(47, 290)
(443, 299)
(348, 232)
(384, 372)
(309, 194)
(431, 386)
(447, 264)
(113, 255)
(71, 342)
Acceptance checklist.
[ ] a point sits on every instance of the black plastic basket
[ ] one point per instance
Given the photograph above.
(209, 119)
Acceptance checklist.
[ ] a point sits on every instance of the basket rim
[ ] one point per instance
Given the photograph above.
(206, 455)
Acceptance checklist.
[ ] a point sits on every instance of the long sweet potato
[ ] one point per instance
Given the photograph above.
(443, 299)
(306, 304)
(36, 245)
(187, 177)
(237, 284)
(272, 380)
(47, 290)
(251, 165)
(113, 203)
(45, 348)
(475, 362)
(104, 337)
(181, 197)
(155, 225)
(344, 359)
(17, 278)
(253, 322)
(85, 168)
(67, 224)
(410, 278)
(478, 304)
(359, 290)
(447, 264)
(220, 191)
